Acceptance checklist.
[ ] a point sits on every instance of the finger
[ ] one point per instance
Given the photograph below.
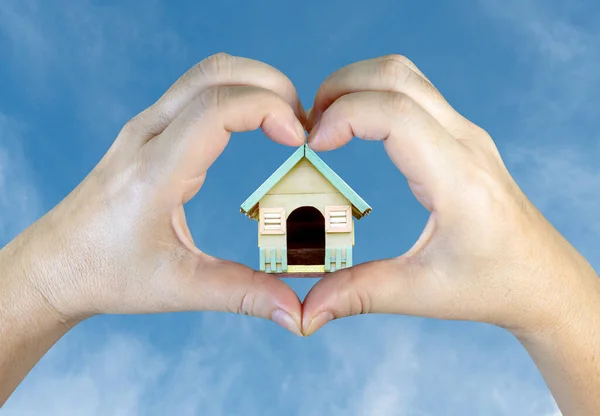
(408, 285)
(394, 286)
(308, 123)
(415, 141)
(393, 73)
(409, 64)
(218, 70)
(204, 283)
(196, 138)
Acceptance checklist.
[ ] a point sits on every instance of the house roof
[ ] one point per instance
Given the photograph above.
(250, 205)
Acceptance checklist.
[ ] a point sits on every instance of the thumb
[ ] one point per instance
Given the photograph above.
(402, 285)
(199, 282)
(191, 280)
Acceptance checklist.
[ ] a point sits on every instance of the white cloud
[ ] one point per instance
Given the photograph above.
(232, 365)
(564, 184)
(80, 35)
(121, 374)
(110, 380)
(555, 151)
(363, 366)
(545, 28)
(19, 199)
(81, 52)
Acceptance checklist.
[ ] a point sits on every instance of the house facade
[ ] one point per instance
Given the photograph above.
(305, 215)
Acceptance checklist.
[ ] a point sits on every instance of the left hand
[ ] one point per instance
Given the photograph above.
(119, 242)
(487, 254)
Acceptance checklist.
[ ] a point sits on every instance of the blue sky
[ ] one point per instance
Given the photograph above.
(73, 72)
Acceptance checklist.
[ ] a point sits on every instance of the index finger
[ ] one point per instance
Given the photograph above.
(419, 146)
(392, 73)
(219, 70)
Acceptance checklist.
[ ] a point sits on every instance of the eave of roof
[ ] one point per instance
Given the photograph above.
(250, 205)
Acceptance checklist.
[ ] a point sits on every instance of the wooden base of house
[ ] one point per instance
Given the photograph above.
(314, 271)
(314, 275)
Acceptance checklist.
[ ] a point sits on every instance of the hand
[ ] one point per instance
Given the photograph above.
(119, 242)
(486, 254)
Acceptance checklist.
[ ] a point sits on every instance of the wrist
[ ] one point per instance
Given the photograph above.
(26, 293)
(568, 309)
(29, 325)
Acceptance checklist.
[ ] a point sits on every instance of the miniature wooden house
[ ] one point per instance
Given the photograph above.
(305, 215)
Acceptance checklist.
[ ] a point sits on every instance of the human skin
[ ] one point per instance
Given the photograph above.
(486, 254)
(119, 242)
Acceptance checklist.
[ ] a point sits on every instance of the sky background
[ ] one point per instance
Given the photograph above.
(72, 72)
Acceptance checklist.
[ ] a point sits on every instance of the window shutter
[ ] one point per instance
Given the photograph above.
(339, 219)
(272, 221)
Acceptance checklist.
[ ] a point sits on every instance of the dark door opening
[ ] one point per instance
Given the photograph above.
(306, 237)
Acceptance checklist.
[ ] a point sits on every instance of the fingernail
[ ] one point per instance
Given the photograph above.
(285, 320)
(317, 322)
(314, 132)
(316, 118)
(309, 116)
(300, 130)
(301, 111)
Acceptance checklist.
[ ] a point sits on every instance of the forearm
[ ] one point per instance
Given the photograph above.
(28, 325)
(568, 355)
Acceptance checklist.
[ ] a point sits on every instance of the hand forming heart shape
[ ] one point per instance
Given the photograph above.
(121, 237)
(119, 242)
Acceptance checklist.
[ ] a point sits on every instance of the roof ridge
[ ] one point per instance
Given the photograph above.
(305, 152)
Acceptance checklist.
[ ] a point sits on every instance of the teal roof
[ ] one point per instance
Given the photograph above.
(361, 208)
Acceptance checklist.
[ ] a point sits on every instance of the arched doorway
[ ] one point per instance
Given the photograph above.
(306, 237)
